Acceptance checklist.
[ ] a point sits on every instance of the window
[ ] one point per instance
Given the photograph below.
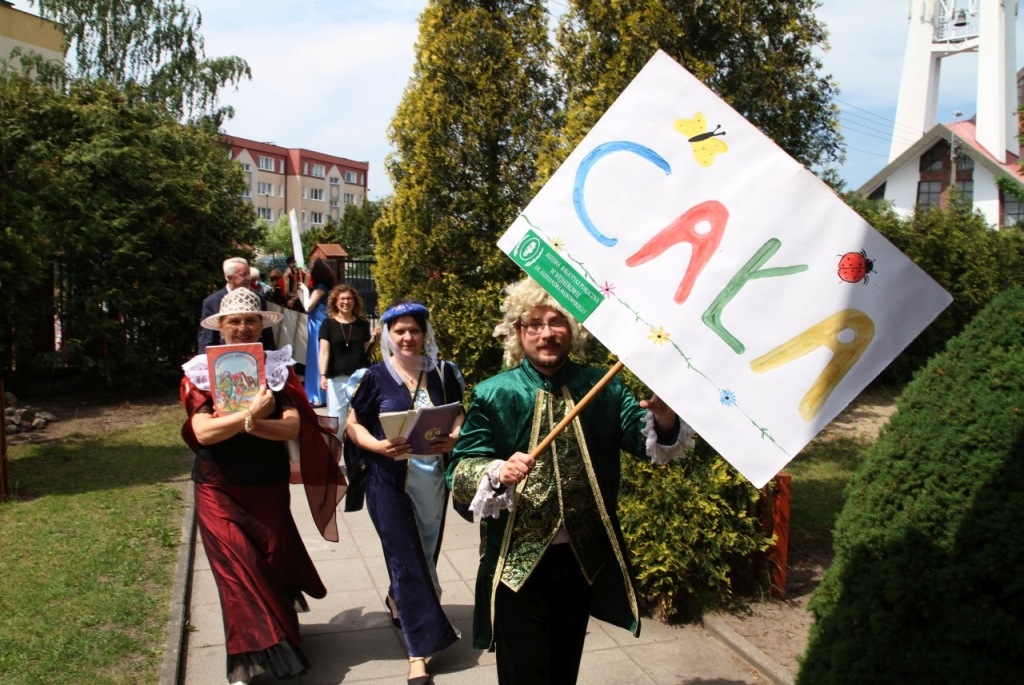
(933, 159)
(966, 190)
(265, 213)
(362, 177)
(303, 216)
(305, 168)
(332, 203)
(266, 163)
(1013, 210)
(316, 194)
(350, 199)
(350, 177)
(319, 171)
(280, 166)
(305, 193)
(334, 180)
(316, 217)
(929, 193)
(964, 162)
(265, 188)
(280, 190)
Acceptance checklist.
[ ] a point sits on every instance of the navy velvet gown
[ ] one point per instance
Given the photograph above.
(391, 508)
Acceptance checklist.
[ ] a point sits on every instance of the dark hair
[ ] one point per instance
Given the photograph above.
(332, 300)
(322, 274)
(418, 318)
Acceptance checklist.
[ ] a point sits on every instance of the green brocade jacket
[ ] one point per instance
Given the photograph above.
(574, 485)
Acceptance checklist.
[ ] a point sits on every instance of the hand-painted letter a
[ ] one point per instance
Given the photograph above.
(682, 230)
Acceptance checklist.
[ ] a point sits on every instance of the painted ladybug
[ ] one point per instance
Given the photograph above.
(855, 267)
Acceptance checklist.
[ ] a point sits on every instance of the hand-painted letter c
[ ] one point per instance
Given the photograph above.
(588, 163)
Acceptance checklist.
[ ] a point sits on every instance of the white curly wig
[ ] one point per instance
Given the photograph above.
(521, 298)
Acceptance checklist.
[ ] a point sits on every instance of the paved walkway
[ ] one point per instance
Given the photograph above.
(348, 636)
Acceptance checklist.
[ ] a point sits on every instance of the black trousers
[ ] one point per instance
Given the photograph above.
(539, 631)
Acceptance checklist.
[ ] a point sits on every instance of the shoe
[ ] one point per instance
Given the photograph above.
(389, 604)
(426, 679)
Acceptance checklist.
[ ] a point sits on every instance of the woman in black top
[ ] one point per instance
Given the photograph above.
(345, 342)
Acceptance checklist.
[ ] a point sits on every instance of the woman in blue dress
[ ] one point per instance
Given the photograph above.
(323, 280)
(406, 496)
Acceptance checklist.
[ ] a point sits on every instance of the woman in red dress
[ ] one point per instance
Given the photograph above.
(241, 474)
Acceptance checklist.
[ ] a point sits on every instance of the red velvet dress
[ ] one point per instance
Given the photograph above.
(259, 562)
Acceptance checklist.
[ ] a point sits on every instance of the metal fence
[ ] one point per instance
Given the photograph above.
(358, 274)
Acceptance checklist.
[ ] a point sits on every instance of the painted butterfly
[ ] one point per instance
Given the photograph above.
(705, 144)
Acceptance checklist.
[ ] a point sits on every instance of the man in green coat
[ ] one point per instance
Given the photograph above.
(553, 550)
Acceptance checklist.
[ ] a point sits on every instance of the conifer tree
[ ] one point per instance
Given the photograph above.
(758, 56)
(466, 134)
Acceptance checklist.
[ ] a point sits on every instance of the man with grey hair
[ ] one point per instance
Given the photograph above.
(236, 275)
(553, 550)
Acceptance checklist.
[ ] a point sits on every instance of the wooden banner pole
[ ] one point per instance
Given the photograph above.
(577, 409)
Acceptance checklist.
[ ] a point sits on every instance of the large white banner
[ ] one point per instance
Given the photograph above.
(723, 273)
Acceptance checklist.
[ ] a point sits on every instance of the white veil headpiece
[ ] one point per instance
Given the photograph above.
(427, 361)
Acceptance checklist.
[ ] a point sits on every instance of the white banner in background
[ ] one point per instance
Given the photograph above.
(291, 330)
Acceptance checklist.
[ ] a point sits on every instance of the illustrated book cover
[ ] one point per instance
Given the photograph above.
(236, 374)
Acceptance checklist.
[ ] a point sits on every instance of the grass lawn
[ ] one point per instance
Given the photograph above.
(87, 550)
(820, 473)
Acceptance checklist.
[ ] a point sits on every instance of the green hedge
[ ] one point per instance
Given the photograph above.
(926, 586)
(693, 526)
(693, 531)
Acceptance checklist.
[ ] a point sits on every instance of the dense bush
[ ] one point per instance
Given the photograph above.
(693, 526)
(926, 586)
(693, 532)
(962, 253)
(114, 218)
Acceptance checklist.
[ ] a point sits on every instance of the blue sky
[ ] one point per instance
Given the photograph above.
(328, 74)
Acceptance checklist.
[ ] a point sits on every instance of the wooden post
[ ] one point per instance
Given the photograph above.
(778, 554)
(577, 409)
(5, 490)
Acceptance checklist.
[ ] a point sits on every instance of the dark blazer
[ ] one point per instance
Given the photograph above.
(211, 305)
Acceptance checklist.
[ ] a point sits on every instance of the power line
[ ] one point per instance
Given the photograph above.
(855, 129)
(868, 152)
(867, 129)
(909, 129)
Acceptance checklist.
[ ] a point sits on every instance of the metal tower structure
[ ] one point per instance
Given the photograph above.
(942, 28)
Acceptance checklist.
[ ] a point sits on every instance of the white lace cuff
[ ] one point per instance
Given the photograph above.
(487, 503)
(277, 363)
(663, 454)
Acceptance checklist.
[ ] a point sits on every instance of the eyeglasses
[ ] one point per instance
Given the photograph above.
(556, 326)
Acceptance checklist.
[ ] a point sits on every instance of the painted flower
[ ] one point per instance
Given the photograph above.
(608, 289)
(659, 337)
(727, 398)
(558, 244)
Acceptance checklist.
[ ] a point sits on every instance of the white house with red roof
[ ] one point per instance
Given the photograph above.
(969, 155)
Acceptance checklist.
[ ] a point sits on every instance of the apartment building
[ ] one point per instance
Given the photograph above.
(30, 33)
(316, 185)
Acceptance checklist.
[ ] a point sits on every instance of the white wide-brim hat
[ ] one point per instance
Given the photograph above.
(240, 301)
